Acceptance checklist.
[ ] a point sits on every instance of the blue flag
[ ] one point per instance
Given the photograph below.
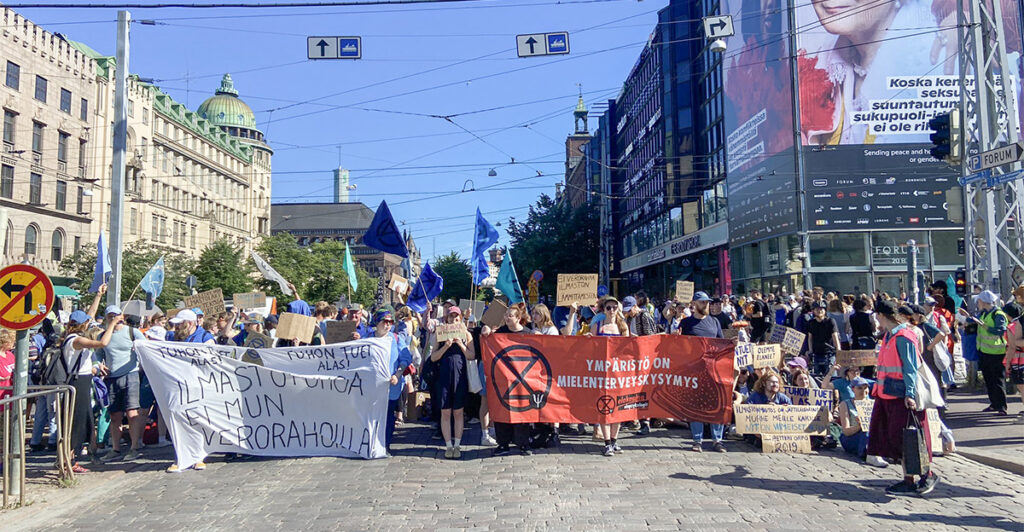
(383, 233)
(103, 269)
(427, 287)
(153, 282)
(485, 237)
(508, 282)
(350, 269)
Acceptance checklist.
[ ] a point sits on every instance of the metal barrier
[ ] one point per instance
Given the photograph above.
(65, 411)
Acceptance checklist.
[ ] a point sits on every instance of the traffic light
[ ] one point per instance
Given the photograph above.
(961, 282)
(946, 136)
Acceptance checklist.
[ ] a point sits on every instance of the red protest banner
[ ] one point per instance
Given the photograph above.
(572, 379)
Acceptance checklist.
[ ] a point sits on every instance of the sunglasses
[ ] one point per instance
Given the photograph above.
(387, 321)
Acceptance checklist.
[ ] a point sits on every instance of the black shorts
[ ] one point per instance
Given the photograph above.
(124, 392)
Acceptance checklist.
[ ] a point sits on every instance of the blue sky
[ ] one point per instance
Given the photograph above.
(444, 59)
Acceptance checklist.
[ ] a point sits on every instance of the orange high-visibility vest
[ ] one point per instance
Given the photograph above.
(889, 364)
(1017, 357)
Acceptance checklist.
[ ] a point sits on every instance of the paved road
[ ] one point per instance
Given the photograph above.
(655, 485)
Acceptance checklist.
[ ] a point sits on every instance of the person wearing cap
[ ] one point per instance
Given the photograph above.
(452, 354)
(854, 439)
(823, 339)
(793, 366)
(187, 329)
(119, 367)
(253, 325)
(991, 347)
(640, 322)
(716, 312)
(701, 324)
(895, 395)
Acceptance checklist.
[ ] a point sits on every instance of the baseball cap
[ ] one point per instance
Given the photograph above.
(859, 381)
(271, 319)
(255, 318)
(184, 315)
(454, 310)
(818, 304)
(905, 310)
(886, 308)
(797, 362)
(701, 296)
(929, 301)
(198, 311)
(156, 333)
(112, 309)
(716, 300)
(628, 303)
(988, 296)
(78, 317)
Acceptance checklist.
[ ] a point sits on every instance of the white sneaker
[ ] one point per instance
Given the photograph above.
(488, 441)
(490, 432)
(876, 461)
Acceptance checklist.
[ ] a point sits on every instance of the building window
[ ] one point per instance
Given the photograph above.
(41, 89)
(57, 245)
(81, 200)
(81, 157)
(62, 146)
(35, 189)
(145, 116)
(131, 220)
(37, 137)
(78, 243)
(10, 120)
(192, 237)
(156, 229)
(163, 229)
(142, 149)
(131, 108)
(13, 79)
(7, 181)
(31, 235)
(84, 113)
(62, 195)
(65, 101)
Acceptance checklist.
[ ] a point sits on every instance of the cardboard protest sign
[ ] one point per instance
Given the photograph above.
(495, 315)
(810, 396)
(302, 401)
(934, 429)
(684, 291)
(339, 331)
(250, 300)
(576, 288)
(398, 284)
(781, 419)
(766, 355)
(446, 331)
(864, 409)
(786, 443)
(211, 302)
(172, 313)
(291, 325)
(778, 334)
(791, 340)
(604, 379)
(857, 357)
(258, 341)
(472, 308)
(744, 355)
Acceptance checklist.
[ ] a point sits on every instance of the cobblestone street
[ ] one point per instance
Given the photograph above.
(656, 484)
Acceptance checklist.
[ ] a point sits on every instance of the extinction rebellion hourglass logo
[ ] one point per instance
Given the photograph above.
(521, 378)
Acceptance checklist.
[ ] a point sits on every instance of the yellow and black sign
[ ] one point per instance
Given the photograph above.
(26, 296)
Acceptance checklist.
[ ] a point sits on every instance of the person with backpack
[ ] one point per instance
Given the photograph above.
(119, 367)
(76, 365)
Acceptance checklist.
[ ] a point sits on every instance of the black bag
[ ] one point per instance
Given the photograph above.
(53, 368)
(915, 449)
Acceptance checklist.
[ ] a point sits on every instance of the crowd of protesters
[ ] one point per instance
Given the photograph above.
(113, 392)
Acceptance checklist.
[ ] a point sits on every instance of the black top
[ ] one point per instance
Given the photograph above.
(821, 335)
(723, 319)
(766, 315)
(860, 323)
(505, 330)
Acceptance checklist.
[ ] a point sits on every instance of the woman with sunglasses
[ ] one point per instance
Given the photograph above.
(452, 355)
(609, 322)
(400, 359)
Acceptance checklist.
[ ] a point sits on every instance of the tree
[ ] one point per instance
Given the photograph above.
(458, 278)
(222, 265)
(137, 258)
(555, 238)
(316, 271)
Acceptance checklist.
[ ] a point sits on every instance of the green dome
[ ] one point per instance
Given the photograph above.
(225, 109)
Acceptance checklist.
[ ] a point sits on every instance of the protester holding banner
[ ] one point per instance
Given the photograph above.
(452, 355)
(610, 322)
(507, 433)
(895, 398)
(399, 360)
(700, 323)
(540, 318)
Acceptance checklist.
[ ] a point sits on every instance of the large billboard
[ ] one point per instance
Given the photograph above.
(759, 122)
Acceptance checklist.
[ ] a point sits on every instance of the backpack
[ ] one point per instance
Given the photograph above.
(54, 369)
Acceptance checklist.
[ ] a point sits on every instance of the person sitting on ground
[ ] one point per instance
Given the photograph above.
(768, 391)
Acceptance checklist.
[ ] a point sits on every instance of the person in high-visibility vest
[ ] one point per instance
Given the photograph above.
(895, 395)
(991, 342)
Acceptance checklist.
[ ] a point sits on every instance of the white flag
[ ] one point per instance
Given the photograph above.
(270, 274)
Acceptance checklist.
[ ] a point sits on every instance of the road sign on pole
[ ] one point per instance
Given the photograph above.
(718, 27)
(996, 180)
(1008, 154)
(334, 47)
(26, 296)
(534, 44)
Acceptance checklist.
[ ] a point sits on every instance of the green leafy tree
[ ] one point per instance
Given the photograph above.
(138, 257)
(555, 238)
(222, 265)
(316, 271)
(458, 278)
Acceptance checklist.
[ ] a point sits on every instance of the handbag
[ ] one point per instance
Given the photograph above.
(473, 374)
(941, 355)
(915, 450)
(928, 393)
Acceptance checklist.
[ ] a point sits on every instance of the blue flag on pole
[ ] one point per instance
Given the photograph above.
(485, 237)
(350, 268)
(427, 287)
(153, 282)
(508, 282)
(383, 233)
(103, 269)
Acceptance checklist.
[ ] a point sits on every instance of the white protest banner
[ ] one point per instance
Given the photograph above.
(576, 288)
(864, 409)
(333, 403)
(786, 443)
(781, 419)
(270, 274)
(684, 291)
(809, 396)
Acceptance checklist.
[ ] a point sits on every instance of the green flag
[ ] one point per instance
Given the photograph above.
(507, 281)
(350, 270)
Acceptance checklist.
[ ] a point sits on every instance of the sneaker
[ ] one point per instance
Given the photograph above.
(132, 454)
(490, 432)
(718, 447)
(902, 488)
(616, 448)
(876, 461)
(502, 451)
(456, 453)
(1001, 412)
(927, 484)
(200, 466)
(449, 453)
(609, 450)
(79, 469)
(525, 451)
(989, 409)
(697, 448)
(645, 428)
(487, 441)
(473, 421)
(174, 469)
(110, 456)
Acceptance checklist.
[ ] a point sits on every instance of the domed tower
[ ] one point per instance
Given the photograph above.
(225, 110)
